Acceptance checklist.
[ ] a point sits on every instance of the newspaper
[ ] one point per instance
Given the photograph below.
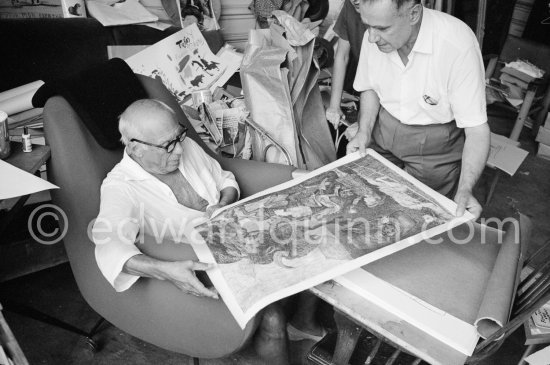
(184, 63)
(315, 228)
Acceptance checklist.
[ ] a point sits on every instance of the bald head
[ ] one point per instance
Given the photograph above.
(144, 118)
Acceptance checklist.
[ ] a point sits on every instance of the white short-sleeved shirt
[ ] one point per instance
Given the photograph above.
(445, 65)
(132, 201)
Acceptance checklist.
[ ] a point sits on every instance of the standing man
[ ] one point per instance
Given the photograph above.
(422, 87)
(350, 30)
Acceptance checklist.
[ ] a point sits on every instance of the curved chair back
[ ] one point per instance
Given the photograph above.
(152, 310)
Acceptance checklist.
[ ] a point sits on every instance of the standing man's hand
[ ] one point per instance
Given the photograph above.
(474, 157)
(368, 113)
(465, 201)
(334, 115)
(359, 143)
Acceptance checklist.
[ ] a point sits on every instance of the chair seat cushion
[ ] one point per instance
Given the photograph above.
(99, 95)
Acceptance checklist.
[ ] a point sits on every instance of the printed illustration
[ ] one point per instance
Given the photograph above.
(183, 62)
(42, 8)
(325, 225)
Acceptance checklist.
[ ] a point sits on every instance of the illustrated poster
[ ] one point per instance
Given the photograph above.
(317, 227)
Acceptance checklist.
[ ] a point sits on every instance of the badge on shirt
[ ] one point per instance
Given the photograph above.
(429, 100)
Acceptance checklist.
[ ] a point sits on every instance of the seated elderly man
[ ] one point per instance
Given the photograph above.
(162, 178)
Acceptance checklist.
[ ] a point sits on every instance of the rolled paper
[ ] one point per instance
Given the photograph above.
(18, 103)
(8, 94)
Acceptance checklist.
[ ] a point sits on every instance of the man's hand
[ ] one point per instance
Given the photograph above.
(334, 115)
(474, 157)
(211, 209)
(182, 275)
(465, 201)
(359, 143)
(228, 195)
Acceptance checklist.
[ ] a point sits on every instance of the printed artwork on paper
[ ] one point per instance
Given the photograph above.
(183, 62)
(351, 212)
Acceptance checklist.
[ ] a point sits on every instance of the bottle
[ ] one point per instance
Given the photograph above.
(26, 140)
(5, 148)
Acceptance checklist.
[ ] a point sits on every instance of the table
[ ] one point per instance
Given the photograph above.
(26, 161)
(488, 264)
(22, 257)
(363, 313)
(9, 343)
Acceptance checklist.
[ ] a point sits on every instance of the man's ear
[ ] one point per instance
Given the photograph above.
(133, 150)
(416, 13)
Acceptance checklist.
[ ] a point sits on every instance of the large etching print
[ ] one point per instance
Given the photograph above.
(329, 222)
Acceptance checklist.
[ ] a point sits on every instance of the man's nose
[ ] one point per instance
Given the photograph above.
(373, 35)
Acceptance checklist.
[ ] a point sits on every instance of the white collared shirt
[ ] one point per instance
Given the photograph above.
(135, 203)
(443, 80)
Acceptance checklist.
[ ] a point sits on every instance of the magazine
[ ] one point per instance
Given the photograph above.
(317, 227)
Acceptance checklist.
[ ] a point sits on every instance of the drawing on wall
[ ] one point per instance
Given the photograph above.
(307, 231)
(184, 63)
(42, 8)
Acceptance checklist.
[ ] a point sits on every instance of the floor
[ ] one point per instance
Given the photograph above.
(54, 291)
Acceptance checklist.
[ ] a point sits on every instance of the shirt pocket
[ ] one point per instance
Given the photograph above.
(436, 106)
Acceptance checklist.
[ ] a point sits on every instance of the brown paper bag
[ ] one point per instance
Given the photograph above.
(279, 79)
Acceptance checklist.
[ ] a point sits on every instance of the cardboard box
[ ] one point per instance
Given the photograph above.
(544, 151)
(543, 136)
(42, 9)
(505, 154)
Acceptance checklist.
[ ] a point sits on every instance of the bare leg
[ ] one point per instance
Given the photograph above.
(304, 317)
(270, 341)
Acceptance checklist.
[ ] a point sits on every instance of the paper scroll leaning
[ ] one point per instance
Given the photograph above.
(312, 229)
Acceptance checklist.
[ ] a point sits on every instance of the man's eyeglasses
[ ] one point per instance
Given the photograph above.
(169, 147)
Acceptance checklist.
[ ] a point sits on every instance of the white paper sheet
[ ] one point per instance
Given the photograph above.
(114, 12)
(504, 155)
(541, 357)
(15, 182)
(250, 273)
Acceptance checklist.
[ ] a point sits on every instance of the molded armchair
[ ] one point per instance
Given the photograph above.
(152, 310)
